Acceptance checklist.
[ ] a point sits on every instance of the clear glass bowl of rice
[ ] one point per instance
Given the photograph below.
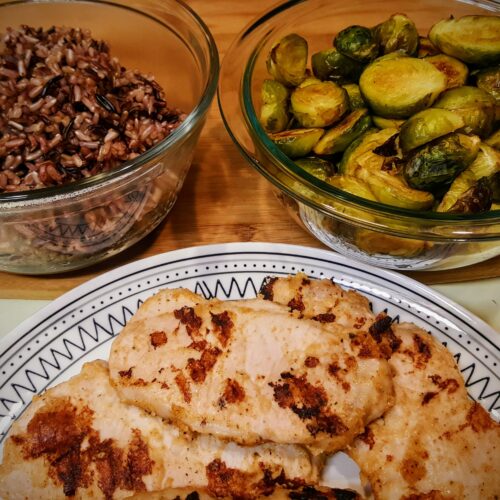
(106, 104)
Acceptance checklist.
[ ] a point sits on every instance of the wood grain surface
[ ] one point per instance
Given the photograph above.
(223, 198)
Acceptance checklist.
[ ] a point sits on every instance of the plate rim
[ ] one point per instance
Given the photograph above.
(483, 329)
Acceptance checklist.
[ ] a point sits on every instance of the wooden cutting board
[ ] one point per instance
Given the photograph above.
(223, 199)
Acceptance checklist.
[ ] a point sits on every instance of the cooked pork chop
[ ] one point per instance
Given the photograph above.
(252, 372)
(79, 440)
(434, 443)
(300, 493)
(319, 299)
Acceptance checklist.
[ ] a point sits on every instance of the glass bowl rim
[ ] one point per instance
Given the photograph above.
(286, 165)
(83, 186)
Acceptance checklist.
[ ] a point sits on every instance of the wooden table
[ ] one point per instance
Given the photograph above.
(223, 198)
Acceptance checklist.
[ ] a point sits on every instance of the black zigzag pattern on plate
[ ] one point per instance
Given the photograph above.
(57, 359)
(220, 291)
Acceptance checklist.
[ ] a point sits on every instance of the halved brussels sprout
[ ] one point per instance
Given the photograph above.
(287, 60)
(331, 65)
(371, 139)
(309, 80)
(486, 164)
(397, 33)
(489, 81)
(356, 100)
(475, 200)
(322, 169)
(338, 138)
(381, 122)
(319, 104)
(472, 39)
(353, 185)
(435, 165)
(427, 125)
(475, 106)
(494, 140)
(398, 87)
(358, 43)
(274, 115)
(426, 47)
(455, 71)
(297, 142)
(389, 188)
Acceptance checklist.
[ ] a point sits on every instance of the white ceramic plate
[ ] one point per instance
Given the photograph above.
(78, 327)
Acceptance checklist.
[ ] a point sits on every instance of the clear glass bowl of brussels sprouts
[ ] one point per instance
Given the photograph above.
(377, 123)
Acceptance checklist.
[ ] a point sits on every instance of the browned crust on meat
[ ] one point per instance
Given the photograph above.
(450, 384)
(125, 373)
(158, 339)
(311, 361)
(233, 393)
(266, 290)
(297, 303)
(187, 316)
(183, 385)
(431, 495)
(309, 403)
(222, 326)
(423, 350)
(57, 432)
(383, 335)
(479, 419)
(368, 438)
(199, 368)
(325, 317)
(412, 470)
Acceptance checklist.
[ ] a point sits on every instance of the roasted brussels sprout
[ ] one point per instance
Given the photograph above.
(475, 106)
(427, 125)
(455, 71)
(426, 47)
(374, 242)
(398, 87)
(486, 165)
(397, 33)
(494, 140)
(287, 60)
(472, 39)
(366, 142)
(309, 80)
(331, 65)
(274, 115)
(489, 81)
(358, 43)
(475, 200)
(298, 142)
(338, 138)
(356, 100)
(319, 104)
(381, 122)
(353, 185)
(435, 165)
(322, 169)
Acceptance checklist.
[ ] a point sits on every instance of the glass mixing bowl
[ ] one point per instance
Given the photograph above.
(371, 232)
(52, 230)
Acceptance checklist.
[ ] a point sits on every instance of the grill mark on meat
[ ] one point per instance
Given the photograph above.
(57, 433)
(223, 326)
(339, 373)
(412, 470)
(311, 361)
(478, 418)
(308, 402)
(184, 387)
(359, 322)
(266, 290)
(125, 373)
(297, 303)
(224, 481)
(233, 393)
(382, 332)
(428, 396)
(368, 438)
(324, 317)
(199, 345)
(367, 347)
(450, 384)
(423, 351)
(381, 324)
(158, 339)
(199, 368)
(189, 319)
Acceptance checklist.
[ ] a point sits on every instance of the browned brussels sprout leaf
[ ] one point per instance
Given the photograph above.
(475, 200)
(298, 142)
(322, 169)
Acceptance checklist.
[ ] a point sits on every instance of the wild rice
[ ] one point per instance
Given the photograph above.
(66, 102)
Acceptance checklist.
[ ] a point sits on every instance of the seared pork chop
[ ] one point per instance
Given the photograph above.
(434, 443)
(79, 440)
(250, 371)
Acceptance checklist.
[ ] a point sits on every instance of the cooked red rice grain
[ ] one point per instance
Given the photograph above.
(69, 110)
